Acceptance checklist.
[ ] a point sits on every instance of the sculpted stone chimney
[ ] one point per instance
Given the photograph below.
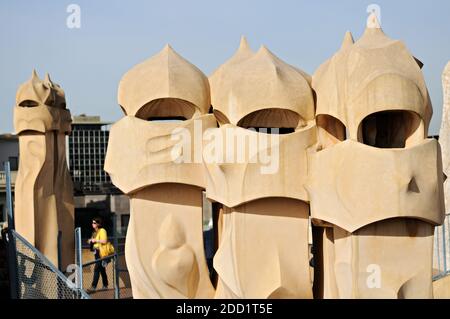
(154, 157)
(44, 190)
(375, 181)
(265, 108)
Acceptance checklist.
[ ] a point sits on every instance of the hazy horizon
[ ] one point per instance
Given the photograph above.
(114, 36)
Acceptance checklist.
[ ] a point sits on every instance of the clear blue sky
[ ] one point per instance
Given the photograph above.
(115, 35)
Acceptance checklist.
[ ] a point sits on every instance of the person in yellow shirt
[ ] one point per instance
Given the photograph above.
(97, 241)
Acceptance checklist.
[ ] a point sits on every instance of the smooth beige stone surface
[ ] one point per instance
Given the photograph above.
(222, 77)
(354, 185)
(386, 251)
(325, 285)
(373, 75)
(152, 151)
(43, 107)
(164, 245)
(165, 75)
(65, 202)
(263, 214)
(249, 83)
(441, 288)
(233, 183)
(44, 189)
(365, 264)
(384, 198)
(257, 257)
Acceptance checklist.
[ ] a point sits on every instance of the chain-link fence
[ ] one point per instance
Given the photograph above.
(34, 276)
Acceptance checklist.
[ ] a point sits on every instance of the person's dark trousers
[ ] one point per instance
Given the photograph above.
(99, 270)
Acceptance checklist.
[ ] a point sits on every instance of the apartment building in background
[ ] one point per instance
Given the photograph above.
(9, 151)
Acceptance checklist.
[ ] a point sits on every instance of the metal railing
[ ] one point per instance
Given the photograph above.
(4, 176)
(119, 285)
(441, 258)
(109, 290)
(33, 276)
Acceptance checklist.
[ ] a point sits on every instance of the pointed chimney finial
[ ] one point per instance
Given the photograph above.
(34, 75)
(47, 78)
(348, 40)
(243, 44)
